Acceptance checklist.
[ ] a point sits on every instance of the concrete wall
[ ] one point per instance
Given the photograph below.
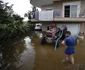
(82, 27)
(44, 26)
(49, 6)
(82, 6)
(58, 6)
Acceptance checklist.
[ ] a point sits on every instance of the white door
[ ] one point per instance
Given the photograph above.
(73, 28)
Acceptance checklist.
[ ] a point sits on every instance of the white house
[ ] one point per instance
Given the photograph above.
(61, 12)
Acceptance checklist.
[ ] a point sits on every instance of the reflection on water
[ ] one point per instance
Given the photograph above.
(19, 56)
(39, 34)
(27, 57)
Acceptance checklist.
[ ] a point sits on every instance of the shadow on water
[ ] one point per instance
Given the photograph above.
(19, 55)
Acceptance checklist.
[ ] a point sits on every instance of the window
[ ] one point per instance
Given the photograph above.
(56, 12)
(71, 9)
(48, 27)
(67, 11)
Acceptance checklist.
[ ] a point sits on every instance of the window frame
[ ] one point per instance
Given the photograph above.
(78, 3)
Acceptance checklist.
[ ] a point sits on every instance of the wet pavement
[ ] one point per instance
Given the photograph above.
(28, 54)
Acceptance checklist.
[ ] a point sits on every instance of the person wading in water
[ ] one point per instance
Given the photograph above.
(69, 42)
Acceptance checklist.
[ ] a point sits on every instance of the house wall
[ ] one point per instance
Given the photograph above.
(82, 6)
(82, 27)
(44, 26)
(49, 6)
(58, 5)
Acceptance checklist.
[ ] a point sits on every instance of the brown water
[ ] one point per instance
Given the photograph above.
(18, 55)
(28, 54)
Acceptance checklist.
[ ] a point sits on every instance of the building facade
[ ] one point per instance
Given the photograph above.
(70, 13)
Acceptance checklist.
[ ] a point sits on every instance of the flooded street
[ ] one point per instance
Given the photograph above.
(29, 54)
(19, 55)
(26, 59)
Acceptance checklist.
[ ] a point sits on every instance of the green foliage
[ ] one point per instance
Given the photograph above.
(17, 18)
(11, 25)
(31, 14)
(0, 46)
(12, 30)
(34, 9)
(5, 13)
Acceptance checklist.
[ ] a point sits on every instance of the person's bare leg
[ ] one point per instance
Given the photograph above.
(72, 59)
(66, 58)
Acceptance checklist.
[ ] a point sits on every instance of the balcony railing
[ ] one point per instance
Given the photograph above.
(46, 15)
(49, 15)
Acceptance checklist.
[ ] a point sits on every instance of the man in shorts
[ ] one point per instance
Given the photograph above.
(70, 43)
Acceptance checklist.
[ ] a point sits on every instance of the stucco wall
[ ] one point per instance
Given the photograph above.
(82, 27)
(82, 6)
(44, 26)
(49, 6)
(58, 6)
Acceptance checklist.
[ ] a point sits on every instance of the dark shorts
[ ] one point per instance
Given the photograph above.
(69, 51)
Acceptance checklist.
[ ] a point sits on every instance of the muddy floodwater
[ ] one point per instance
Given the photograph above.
(28, 54)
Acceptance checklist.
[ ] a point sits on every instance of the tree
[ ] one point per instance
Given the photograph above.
(33, 8)
(18, 18)
(11, 24)
(5, 13)
(28, 15)
(31, 14)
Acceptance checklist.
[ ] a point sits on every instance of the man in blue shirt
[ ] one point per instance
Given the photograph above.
(70, 43)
